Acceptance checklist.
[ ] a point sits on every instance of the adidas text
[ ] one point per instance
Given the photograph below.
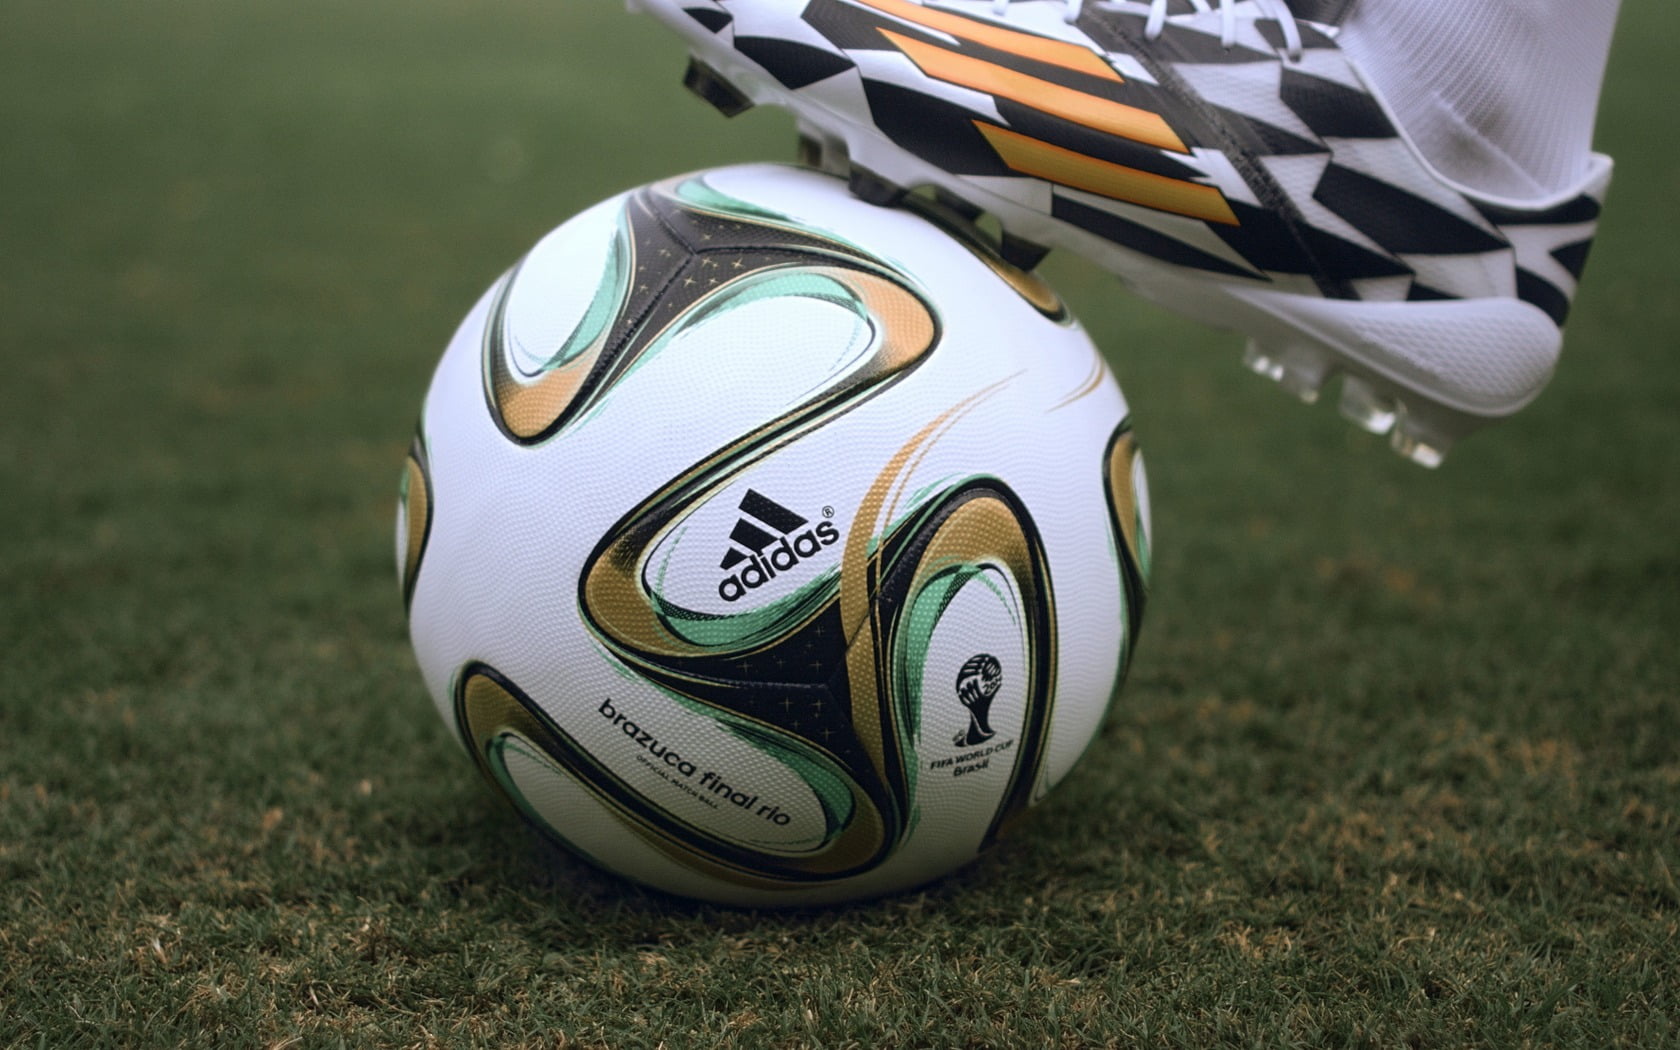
(784, 555)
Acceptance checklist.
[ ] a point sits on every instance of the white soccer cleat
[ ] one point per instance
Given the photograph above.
(1226, 159)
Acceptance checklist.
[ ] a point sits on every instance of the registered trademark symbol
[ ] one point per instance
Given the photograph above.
(828, 512)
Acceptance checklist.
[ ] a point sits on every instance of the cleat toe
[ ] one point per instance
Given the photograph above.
(711, 86)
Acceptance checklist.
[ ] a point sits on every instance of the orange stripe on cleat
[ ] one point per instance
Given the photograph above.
(1100, 114)
(1027, 45)
(1031, 156)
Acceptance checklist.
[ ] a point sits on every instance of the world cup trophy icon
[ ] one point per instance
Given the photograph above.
(977, 684)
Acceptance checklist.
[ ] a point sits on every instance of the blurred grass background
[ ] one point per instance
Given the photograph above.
(1399, 763)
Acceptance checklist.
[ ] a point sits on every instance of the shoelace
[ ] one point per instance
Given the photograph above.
(1276, 10)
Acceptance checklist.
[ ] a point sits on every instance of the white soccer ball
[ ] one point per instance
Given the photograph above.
(769, 547)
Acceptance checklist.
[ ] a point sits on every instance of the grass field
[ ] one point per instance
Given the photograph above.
(1398, 765)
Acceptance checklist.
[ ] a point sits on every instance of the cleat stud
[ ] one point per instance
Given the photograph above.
(1300, 370)
(1305, 371)
(868, 186)
(1416, 449)
(1020, 252)
(819, 151)
(1303, 387)
(711, 86)
(1260, 363)
(1425, 432)
(810, 151)
(1365, 408)
(955, 203)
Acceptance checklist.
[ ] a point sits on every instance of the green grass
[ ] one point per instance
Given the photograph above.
(1399, 763)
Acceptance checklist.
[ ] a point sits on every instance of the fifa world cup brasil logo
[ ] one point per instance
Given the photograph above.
(977, 684)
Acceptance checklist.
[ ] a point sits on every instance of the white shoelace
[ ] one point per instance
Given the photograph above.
(1276, 10)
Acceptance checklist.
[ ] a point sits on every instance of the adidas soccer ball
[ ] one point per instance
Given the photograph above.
(769, 547)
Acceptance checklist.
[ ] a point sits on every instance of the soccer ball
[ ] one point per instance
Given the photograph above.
(769, 547)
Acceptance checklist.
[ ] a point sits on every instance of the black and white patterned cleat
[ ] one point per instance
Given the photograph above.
(1224, 157)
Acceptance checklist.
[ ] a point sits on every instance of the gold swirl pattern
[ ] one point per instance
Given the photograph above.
(415, 497)
(491, 711)
(978, 527)
(1126, 518)
(680, 252)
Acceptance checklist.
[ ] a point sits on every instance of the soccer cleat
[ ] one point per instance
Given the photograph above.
(1224, 157)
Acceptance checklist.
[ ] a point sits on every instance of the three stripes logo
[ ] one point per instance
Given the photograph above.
(768, 539)
(1064, 81)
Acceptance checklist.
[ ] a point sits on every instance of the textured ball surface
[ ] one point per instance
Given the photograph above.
(769, 547)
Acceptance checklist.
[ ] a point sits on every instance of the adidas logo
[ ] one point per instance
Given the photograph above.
(768, 539)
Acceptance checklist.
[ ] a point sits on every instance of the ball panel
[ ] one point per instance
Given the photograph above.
(550, 323)
(490, 711)
(679, 253)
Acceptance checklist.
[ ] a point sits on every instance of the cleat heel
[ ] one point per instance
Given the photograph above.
(711, 86)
